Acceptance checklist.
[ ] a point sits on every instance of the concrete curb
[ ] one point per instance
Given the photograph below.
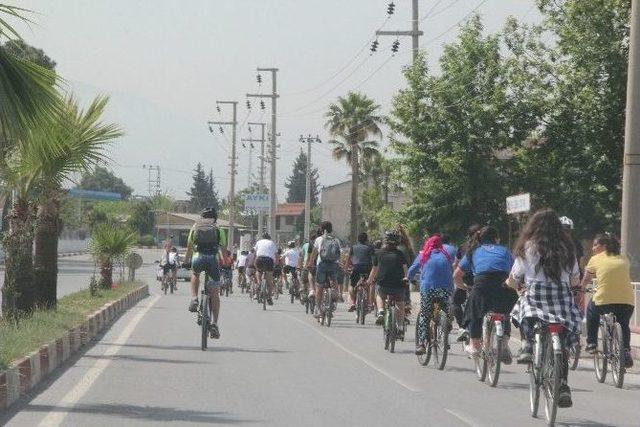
(68, 254)
(25, 373)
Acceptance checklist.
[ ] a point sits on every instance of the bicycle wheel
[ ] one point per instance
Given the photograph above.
(600, 355)
(205, 322)
(423, 359)
(164, 286)
(574, 355)
(493, 355)
(552, 374)
(443, 339)
(358, 306)
(392, 330)
(534, 388)
(617, 356)
(385, 330)
(480, 362)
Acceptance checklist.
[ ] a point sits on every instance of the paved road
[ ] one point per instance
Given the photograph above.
(281, 368)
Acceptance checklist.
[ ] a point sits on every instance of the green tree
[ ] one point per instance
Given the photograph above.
(296, 182)
(353, 120)
(102, 179)
(22, 50)
(108, 245)
(203, 191)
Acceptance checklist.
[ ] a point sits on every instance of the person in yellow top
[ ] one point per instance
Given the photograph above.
(614, 293)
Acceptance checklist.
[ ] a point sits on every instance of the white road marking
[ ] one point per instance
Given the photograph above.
(462, 418)
(353, 354)
(57, 416)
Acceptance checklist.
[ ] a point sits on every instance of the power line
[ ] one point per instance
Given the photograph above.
(464, 18)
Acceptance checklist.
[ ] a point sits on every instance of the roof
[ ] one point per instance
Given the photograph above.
(290, 209)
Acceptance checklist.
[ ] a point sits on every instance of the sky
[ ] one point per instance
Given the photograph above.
(165, 63)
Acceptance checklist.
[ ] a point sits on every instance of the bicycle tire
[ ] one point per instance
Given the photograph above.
(423, 359)
(617, 356)
(443, 338)
(551, 383)
(534, 389)
(327, 307)
(392, 329)
(600, 362)
(574, 355)
(205, 323)
(164, 286)
(494, 362)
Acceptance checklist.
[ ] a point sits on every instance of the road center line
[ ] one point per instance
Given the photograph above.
(462, 418)
(353, 354)
(57, 416)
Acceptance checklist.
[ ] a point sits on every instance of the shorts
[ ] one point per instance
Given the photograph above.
(277, 270)
(240, 270)
(290, 270)
(168, 268)
(383, 292)
(264, 263)
(358, 272)
(208, 264)
(326, 272)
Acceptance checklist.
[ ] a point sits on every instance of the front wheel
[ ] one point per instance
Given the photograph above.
(600, 362)
(617, 356)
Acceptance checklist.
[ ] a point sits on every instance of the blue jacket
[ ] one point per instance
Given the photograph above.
(437, 273)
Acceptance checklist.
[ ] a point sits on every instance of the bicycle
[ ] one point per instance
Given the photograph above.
(263, 293)
(294, 288)
(361, 300)
(203, 318)
(610, 351)
(168, 283)
(242, 282)
(226, 283)
(310, 304)
(390, 325)
(328, 306)
(439, 327)
(545, 370)
(488, 362)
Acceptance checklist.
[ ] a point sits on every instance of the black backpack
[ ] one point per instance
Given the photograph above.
(206, 235)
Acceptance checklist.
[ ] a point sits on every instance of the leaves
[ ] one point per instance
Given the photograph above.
(109, 243)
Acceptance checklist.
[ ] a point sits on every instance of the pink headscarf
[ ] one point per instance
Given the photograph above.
(432, 243)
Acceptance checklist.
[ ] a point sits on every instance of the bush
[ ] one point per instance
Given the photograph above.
(146, 240)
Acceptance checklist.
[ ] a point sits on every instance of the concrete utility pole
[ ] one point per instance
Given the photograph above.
(307, 191)
(260, 171)
(414, 33)
(232, 189)
(274, 133)
(631, 170)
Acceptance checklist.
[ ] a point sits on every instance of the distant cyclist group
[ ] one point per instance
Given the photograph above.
(482, 285)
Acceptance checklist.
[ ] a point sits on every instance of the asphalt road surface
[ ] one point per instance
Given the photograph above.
(281, 368)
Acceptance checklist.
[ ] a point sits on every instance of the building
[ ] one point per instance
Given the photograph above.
(289, 222)
(178, 225)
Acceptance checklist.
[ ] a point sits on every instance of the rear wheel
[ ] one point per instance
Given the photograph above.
(600, 355)
(534, 390)
(443, 338)
(617, 356)
(493, 354)
(552, 374)
(391, 327)
(205, 323)
(574, 355)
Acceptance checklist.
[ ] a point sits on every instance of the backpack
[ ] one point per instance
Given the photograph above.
(329, 249)
(205, 234)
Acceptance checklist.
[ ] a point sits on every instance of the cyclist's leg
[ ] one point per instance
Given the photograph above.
(593, 323)
(354, 278)
(425, 314)
(214, 294)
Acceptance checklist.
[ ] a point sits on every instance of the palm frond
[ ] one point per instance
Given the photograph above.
(109, 242)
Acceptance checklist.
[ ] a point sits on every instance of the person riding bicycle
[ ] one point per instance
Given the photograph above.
(325, 255)
(250, 265)
(277, 271)
(490, 264)
(389, 273)
(406, 248)
(266, 257)
(307, 273)
(169, 263)
(434, 263)
(203, 243)
(359, 262)
(226, 265)
(613, 293)
(241, 266)
(460, 293)
(291, 257)
(547, 267)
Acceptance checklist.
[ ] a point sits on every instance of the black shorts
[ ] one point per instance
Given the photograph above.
(288, 269)
(264, 263)
(277, 270)
(358, 272)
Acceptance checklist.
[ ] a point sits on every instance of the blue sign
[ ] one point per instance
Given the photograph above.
(95, 195)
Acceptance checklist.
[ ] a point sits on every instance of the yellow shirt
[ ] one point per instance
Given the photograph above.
(613, 280)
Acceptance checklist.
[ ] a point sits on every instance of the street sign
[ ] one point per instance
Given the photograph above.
(95, 195)
(519, 203)
(257, 201)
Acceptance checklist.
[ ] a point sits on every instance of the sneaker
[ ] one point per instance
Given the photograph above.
(564, 397)
(506, 357)
(214, 332)
(352, 308)
(193, 305)
(628, 360)
(590, 348)
(526, 354)
(380, 318)
(463, 337)
(269, 301)
(420, 350)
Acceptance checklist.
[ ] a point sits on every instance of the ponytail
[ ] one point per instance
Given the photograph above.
(610, 242)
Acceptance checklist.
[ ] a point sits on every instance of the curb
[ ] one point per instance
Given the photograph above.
(67, 254)
(26, 373)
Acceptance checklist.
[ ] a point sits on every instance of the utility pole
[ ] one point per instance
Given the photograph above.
(261, 171)
(631, 169)
(414, 33)
(232, 189)
(153, 182)
(307, 191)
(272, 187)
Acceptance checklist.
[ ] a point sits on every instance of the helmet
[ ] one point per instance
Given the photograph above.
(209, 212)
(567, 222)
(291, 244)
(266, 235)
(391, 237)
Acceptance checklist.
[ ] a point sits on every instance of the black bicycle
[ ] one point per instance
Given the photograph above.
(489, 360)
(328, 306)
(203, 315)
(437, 340)
(361, 300)
(263, 293)
(226, 283)
(294, 287)
(390, 331)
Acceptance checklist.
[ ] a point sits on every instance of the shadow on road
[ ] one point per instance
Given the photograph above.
(213, 348)
(153, 413)
(146, 359)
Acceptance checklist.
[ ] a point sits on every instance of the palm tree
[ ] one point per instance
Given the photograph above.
(353, 122)
(110, 242)
(82, 139)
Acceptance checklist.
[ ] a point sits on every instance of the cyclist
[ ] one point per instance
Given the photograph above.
(202, 249)
(251, 268)
(546, 264)
(406, 248)
(325, 255)
(291, 257)
(241, 266)
(389, 272)
(614, 293)
(277, 271)
(359, 262)
(436, 282)
(226, 263)
(308, 273)
(460, 292)
(490, 264)
(266, 256)
(169, 264)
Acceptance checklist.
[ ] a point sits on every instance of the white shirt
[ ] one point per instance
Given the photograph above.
(266, 248)
(171, 258)
(525, 269)
(291, 257)
(242, 260)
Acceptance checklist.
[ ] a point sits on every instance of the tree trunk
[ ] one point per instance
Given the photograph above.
(46, 254)
(355, 179)
(106, 275)
(18, 292)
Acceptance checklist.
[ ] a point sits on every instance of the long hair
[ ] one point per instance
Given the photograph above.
(431, 244)
(554, 245)
(610, 242)
(484, 235)
(404, 240)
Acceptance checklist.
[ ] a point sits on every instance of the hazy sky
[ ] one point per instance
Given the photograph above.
(165, 63)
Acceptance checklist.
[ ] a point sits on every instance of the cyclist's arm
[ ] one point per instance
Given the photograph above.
(373, 275)
(312, 257)
(587, 279)
(414, 268)
(457, 278)
(189, 253)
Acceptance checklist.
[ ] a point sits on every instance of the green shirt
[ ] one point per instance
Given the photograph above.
(222, 239)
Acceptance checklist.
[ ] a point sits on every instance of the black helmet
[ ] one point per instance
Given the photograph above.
(391, 237)
(266, 235)
(209, 212)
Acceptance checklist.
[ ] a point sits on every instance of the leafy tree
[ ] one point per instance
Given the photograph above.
(22, 50)
(353, 120)
(296, 183)
(101, 179)
(203, 191)
(108, 245)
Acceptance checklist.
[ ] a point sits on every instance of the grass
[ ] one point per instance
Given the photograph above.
(45, 326)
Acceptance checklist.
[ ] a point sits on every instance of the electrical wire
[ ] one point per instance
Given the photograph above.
(464, 18)
(426, 15)
(444, 9)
